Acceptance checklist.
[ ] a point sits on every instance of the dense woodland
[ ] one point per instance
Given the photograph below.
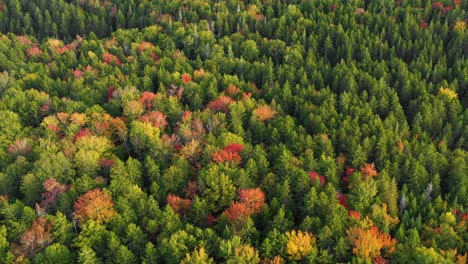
(233, 131)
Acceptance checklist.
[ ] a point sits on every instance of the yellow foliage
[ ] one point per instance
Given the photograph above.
(299, 244)
(198, 257)
(449, 93)
(460, 26)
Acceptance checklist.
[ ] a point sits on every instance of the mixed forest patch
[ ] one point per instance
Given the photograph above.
(233, 131)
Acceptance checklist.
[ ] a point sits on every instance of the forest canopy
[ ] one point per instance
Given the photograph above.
(233, 131)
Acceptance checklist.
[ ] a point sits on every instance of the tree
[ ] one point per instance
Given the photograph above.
(36, 238)
(368, 243)
(300, 244)
(95, 205)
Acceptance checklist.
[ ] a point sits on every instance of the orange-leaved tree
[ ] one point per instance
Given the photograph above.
(253, 198)
(35, 239)
(96, 205)
(368, 243)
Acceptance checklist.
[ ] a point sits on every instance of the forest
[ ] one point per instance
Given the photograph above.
(238, 132)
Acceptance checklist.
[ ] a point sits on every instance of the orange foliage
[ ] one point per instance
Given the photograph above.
(36, 238)
(233, 90)
(369, 243)
(145, 46)
(264, 113)
(179, 205)
(253, 198)
(221, 104)
(368, 170)
(95, 205)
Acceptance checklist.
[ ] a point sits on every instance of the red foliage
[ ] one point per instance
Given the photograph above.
(154, 56)
(84, 132)
(34, 51)
(333, 7)
(156, 119)
(179, 205)
(186, 78)
(77, 73)
(253, 198)
(342, 200)
(220, 104)
(354, 214)
(456, 2)
(237, 212)
(211, 220)
(234, 147)
(368, 170)
(186, 115)
(314, 176)
(226, 156)
(36, 238)
(437, 5)
(447, 9)
(53, 189)
(106, 163)
(423, 24)
(110, 92)
(111, 59)
(95, 205)
(146, 99)
(348, 172)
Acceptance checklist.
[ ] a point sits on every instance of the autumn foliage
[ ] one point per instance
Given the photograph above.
(95, 205)
(179, 205)
(157, 119)
(253, 198)
(35, 239)
(251, 201)
(368, 243)
(53, 189)
(299, 245)
(230, 153)
(111, 59)
(264, 113)
(221, 104)
(368, 170)
(314, 176)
